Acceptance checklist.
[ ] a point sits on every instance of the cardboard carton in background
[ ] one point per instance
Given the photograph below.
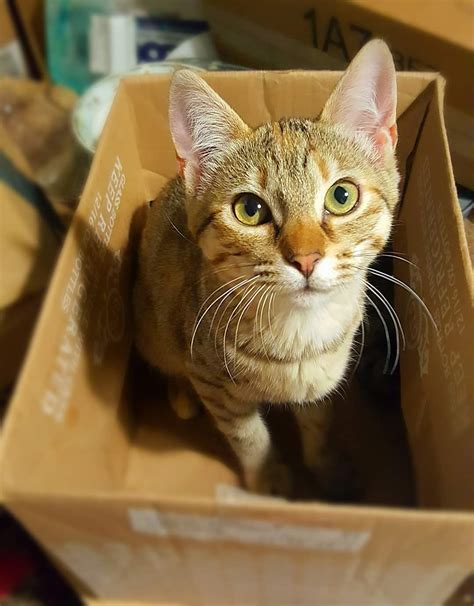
(434, 35)
(135, 504)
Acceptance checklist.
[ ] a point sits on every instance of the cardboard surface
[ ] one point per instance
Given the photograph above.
(135, 505)
(433, 35)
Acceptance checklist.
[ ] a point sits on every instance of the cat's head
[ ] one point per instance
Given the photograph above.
(306, 204)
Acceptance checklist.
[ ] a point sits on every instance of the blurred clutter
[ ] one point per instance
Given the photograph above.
(61, 64)
(87, 40)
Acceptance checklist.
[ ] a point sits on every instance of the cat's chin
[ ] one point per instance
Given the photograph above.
(307, 296)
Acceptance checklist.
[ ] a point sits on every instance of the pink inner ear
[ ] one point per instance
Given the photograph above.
(365, 100)
(181, 165)
(393, 130)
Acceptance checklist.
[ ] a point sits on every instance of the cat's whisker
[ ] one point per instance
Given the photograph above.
(247, 305)
(389, 255)
(229, 303)
(236, 296)
(387, 334)
(231, 317)
(268, 294)
(410, 290)
(389, 308)
(361, 348)
(255, 330)
(271, 311)
(177, 230)
(215, 291)
(232, 289)
(213, 271)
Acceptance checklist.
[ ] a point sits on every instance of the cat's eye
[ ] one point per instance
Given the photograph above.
(251, 210)
(341, 197)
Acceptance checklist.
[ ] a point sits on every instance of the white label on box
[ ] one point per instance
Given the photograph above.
(84, 302)
(225, 493)
(12, 61)
(246, 531)
(146, 521)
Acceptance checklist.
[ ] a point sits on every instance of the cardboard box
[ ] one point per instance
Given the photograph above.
(435, 35)
(137, 505)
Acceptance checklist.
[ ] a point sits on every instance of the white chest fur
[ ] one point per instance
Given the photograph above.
(307, 347)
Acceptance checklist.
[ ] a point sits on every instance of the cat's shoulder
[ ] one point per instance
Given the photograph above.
(173, 193)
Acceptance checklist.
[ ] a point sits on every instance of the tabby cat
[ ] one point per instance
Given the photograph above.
(253, 260)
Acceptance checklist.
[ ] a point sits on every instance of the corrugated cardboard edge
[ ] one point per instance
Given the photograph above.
(440, 84)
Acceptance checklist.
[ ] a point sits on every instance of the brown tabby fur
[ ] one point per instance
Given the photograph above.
(268, 340)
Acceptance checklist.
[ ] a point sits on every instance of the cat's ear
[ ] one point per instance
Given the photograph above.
(202, 126)
(365, 99)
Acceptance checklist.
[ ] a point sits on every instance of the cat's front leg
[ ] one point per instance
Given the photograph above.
(314, 421)
(334, 471)
(249, 437)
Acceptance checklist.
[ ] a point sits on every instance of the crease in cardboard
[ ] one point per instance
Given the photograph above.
(246, 531)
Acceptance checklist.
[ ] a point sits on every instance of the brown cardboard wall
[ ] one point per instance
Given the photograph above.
(326, 34)
(87, 337)
(144, 509)
(439, 407)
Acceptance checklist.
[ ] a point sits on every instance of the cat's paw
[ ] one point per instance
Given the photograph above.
(273, 479)
(337, 478)
(184, 405)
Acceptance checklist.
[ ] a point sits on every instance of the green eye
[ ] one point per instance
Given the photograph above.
(251, 210)
(341, 197)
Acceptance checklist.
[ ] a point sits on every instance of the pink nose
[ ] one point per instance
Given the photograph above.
(305, 263)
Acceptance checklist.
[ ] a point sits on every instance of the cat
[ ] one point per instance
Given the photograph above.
(253, 260)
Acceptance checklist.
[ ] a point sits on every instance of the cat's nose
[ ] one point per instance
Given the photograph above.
(305, 263)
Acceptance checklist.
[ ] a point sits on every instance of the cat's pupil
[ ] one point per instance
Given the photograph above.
(341, 194)
(252, 206)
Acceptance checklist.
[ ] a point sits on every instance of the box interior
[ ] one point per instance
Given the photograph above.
(118, 435)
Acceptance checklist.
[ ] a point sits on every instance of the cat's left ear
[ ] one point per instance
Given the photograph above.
(202, 126)
(365, 99)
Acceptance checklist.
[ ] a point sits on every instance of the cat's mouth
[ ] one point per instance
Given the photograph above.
(308, 289)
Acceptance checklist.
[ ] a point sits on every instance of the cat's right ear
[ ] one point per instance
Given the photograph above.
(202, 127)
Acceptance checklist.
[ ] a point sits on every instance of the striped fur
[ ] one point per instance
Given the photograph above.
(221, 311)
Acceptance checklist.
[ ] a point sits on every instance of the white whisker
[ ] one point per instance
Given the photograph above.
(216, 290)
(389, 255)
(176, 229)
(213, 271)
(268, 294)
(261, 302)
(389, 308)
(235, 287)
(271, 312)
(410, 290)
(231, 317)
(361, 348)
(387, 334)
(248, 304)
